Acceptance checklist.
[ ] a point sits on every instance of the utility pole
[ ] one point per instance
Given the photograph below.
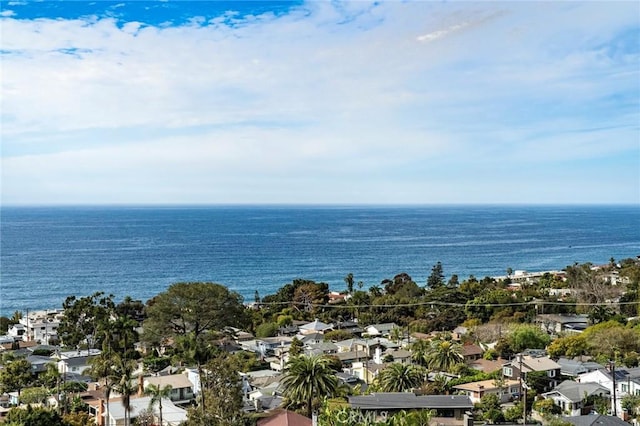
(523, 391)
(613, 375)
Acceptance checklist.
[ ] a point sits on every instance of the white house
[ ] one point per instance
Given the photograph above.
(39, 326)
(76, 362)
(572, 396)
(627, 382)
(171, 414)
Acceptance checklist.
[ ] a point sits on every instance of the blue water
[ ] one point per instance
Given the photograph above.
(50, 253)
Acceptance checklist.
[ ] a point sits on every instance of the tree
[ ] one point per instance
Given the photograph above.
(436, 279)
(401, 378)
(420, 352)
(32, 416)
(444, 354)
(307, 377)
(267, 329)
(192, 308)
(349, 281)
(396, 334)
(198, 351)
(15, 375)
(224, 393)
(124, 384)
(631, 404)
(84, 318)
(78, 419)
(528, 336)
(296, 348)
(546, 407)
(101, 369)
(37, 395)
(570, 346)
(156, 392)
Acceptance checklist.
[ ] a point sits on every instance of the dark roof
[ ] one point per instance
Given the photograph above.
(77, 361)
(407, 400)
(595, 420)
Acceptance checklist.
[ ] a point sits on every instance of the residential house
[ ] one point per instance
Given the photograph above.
(39, 326)
(76, 362)
(559, 323)
(449, 406)
(381, 330)
(471, 353)
(572, 368)
(17, 332)
(316, 326)
(401, 356)
(506, 391)
(311, 338)
(326, 348)
(266, 346)
(572, 397)
(522, 365)
(285, 418)
(181, 387)
(626, 381)
(172, 415)
(595, 420)
(350, 326)
(486, 365)
(39, 363)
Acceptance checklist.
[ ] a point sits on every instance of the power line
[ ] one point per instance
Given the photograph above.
(452, 304)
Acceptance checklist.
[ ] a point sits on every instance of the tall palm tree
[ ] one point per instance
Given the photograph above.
(308, 377)
(400, 378)
(444, 354)
(157, 393)
(420, 352)
(124, 383)
(102, 370)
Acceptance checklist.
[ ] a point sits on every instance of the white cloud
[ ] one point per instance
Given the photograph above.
(384, 96)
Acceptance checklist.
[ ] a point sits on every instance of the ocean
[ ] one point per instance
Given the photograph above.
(49, 253)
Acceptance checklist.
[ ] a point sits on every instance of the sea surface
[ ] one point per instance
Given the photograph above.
(49, 253)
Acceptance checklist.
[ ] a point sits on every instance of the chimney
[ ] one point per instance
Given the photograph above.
(141, 385)
(258, 404)
(101, 419)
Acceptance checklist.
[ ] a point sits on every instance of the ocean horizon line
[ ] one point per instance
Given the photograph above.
(312, 205)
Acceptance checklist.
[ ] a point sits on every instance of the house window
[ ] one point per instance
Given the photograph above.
(624, 387)
(507, 371)
(551, 373)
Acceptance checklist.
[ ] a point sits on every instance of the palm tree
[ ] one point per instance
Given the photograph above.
(444, 354)
(157, 393)
(308, 377)
(396, 334)
(124, 383)
(420, 352)
(102, 370)
(349, 281)
(195, 349)
(400, 378)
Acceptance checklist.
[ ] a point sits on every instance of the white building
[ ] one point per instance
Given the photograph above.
(38, 326)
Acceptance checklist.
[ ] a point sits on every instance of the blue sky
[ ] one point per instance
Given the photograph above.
(206, 102)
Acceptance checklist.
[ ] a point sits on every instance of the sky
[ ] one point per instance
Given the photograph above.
(321, 102)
